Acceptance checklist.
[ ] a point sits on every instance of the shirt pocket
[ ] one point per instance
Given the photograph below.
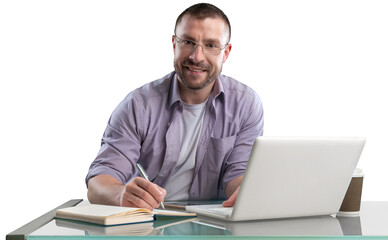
(218, 152)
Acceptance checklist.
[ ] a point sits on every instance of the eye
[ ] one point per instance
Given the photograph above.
(188, 42)
(211, 45)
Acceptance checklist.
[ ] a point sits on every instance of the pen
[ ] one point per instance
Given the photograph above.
(144, 175)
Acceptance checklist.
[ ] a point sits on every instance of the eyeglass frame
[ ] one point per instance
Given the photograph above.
(196, 44)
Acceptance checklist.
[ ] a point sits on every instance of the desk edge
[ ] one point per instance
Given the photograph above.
(22, 232)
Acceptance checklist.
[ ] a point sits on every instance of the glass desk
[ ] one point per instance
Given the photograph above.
(371, 224)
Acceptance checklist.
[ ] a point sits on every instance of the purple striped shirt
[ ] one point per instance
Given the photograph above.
(144, 128)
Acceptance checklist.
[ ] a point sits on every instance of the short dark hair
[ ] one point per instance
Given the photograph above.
(202, 11)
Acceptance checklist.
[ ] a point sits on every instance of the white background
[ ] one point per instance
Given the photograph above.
(320, 68)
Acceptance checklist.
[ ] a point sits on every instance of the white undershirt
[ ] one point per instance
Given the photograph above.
(190, 130)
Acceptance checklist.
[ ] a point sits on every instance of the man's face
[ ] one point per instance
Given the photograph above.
(196, 69)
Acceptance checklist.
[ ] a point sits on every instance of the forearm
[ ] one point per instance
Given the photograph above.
(233, 185)
(105, 189)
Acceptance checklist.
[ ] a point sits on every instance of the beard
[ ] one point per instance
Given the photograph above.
(185, 79)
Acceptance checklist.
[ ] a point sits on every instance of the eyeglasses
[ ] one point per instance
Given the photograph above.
(207, 48)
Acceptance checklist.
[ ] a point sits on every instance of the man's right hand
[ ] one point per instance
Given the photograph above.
(142, 193)
(105, 189)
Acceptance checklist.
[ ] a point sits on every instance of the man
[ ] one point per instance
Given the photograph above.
(192, 130)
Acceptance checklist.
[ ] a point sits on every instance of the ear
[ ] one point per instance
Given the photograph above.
(173, 43)
(227, 50)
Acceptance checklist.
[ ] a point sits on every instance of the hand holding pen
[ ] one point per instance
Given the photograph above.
(145, 176)
(142, 193)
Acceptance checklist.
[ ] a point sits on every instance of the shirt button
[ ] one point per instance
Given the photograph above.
(169, 123)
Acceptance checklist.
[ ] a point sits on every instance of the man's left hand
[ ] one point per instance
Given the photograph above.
(230, 202)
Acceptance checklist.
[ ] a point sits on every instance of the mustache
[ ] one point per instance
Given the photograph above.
(190, 62)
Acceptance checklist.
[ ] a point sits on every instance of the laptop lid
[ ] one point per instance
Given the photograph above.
(296, 176)
(292, 177)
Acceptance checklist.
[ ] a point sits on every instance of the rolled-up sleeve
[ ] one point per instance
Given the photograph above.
(120, 144)
(252, 126)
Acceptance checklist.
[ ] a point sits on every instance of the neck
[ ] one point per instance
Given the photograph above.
(197, 96)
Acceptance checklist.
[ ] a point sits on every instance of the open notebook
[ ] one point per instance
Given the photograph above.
(113, 215)
(292, 177)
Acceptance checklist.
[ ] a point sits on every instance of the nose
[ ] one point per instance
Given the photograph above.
(197, 54)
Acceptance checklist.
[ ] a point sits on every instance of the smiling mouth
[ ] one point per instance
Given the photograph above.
(195, 69)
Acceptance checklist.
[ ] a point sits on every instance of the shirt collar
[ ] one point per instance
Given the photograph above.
(217, 92)
(218, 89)
(174, 91)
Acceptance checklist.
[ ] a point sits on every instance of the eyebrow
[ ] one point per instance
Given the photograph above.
(209, 40)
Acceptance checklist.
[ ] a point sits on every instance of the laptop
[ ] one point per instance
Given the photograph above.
(289, 177)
